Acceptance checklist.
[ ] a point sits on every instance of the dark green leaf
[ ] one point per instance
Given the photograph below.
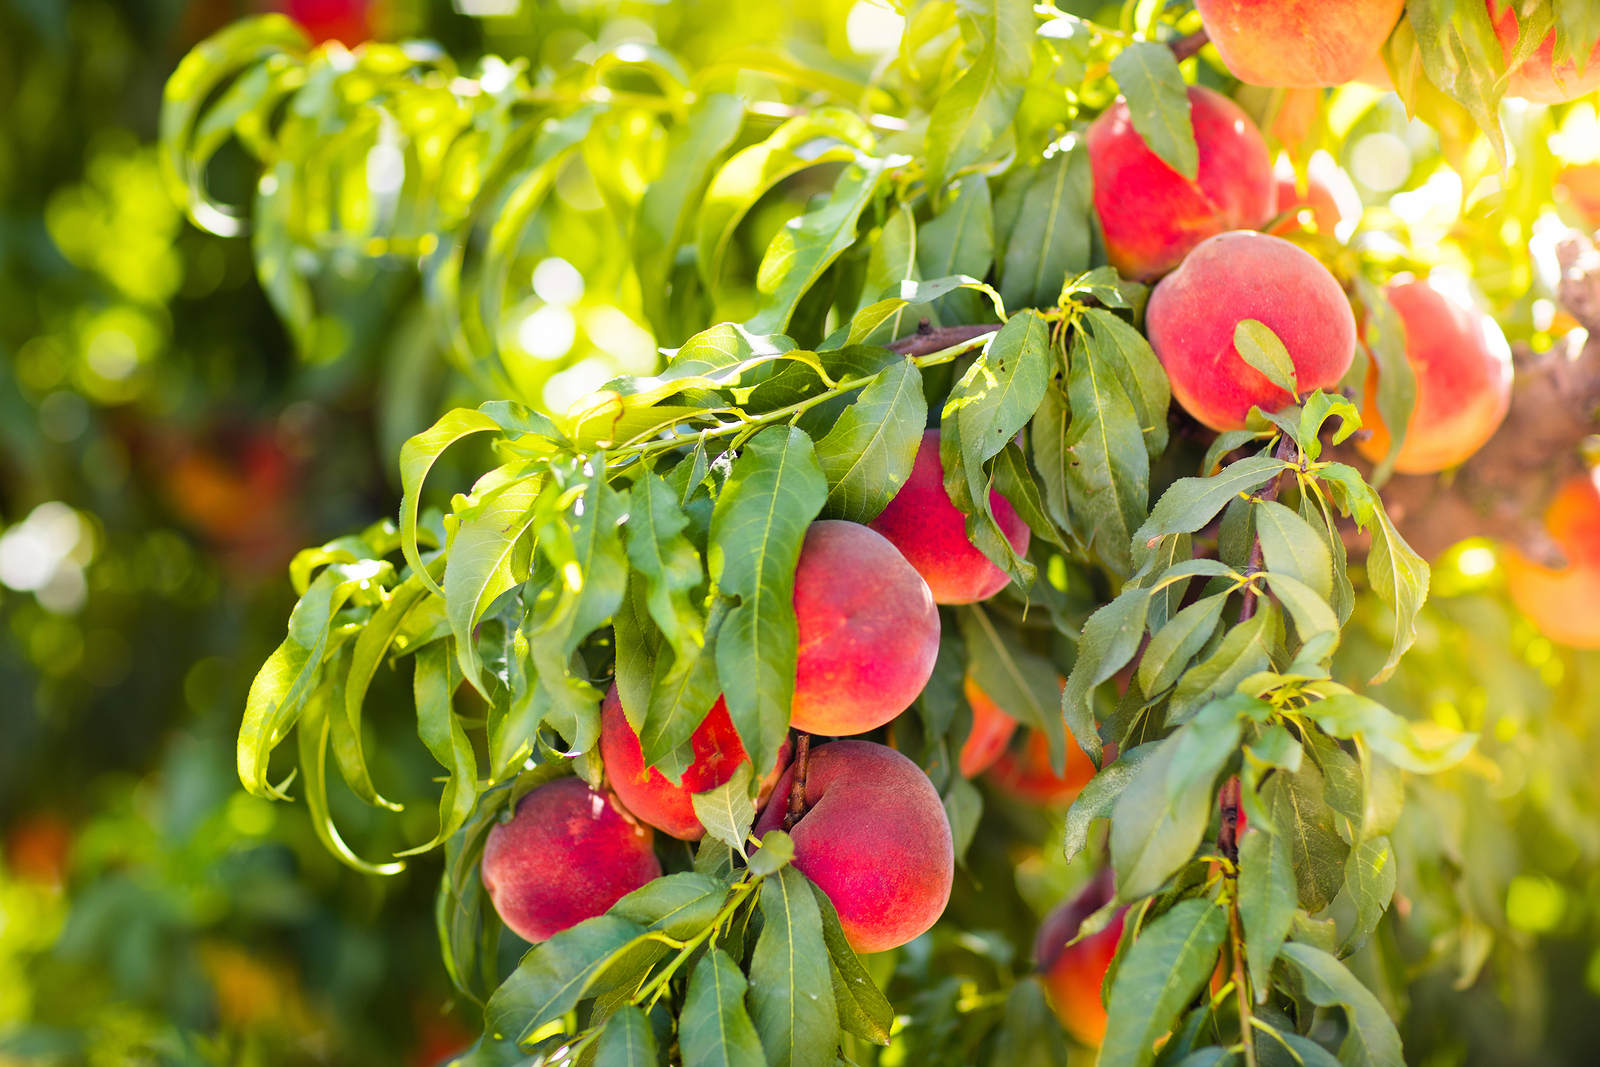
(1371, 1040)
(1016, 679)
(679, 905)
(1267, 901)
(554, 975)
(1050, 241)
(790, 979)
(1158, 104)
(868, 454)
(1178, 641)
(1300, 814)
(670, 565)
(626, 1041)
(1167, 965)
(963, 806)
(1109, 640)
(1030, 1035)
(1108, 469)
(1192, 502)
(1369, 878)
(1153, 833)
(863, 1010)
(1289, 545)
(1099, 796)
(715, 1029)
(968, 118)
(1245, 650)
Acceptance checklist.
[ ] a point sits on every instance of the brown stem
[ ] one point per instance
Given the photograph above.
(1502, 491)
(930, 339)
(1228, 832)
(1236, 937)
(797, 789)
(1184, 47)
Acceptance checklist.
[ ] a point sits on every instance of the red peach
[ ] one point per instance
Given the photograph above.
(869, 630)
(341, 20)
(1298, 42)
(1579, 186)
(1563, 603)
(1027, 775)
(1463, 369)
(991, 732)
(1073, 975)
(1243, 275)
(1330, 198)
(874, 837)
(647, 793)
(1538, 79)
(567, 855)
(932, 534)
(1151, 214)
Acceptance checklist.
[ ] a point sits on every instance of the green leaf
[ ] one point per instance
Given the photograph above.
(1259, 346)
(417, 457)
(1179, 641)
(868, 454)
(863, 1010)
(1371, 1039)
(682, 694)
(1152, 832)
(488, 555)
(554, 976)
(312, 741)
(435, 682)
(1290, 546)
(809, 244)
(777, 849)
(967, 119)
(659, 551)
(1099, 796)
(286, 680)
(1130, 357)
(999, 393)
(1030, 1035)
(1163, 970)
(1245, 650)
(890, 265)
(1109, 640)
(963, 806)
(1352, 715)
(1314, 620)
(1267, 901)
(1400, 578)
(789, 977)
(679, 905)
(775, 490)
(1021, 681)
(1302, 816)
(669, 204)
(959, 240)
(715, 1029)
(1014, 481)
(1385, 335)
(626, 1040)
(1462, 56)
(1369, 877)
(1108, 472)
(1190, 503)
(1158, 104)
(1050, 241)
(727, 811)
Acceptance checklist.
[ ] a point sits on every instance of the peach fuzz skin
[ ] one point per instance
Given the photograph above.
(1463, 369)
(869, 631)
(1073, 975)
(874, 837)
(1244, 275)
(1298, 42)
(647, 793)
(991, 732)
(1152, 215)
(1534, 80)
(1564, 604)
(932, 534)
(568, 855)
(1027, 775)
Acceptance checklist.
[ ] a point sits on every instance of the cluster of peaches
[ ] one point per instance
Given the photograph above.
(872, 833)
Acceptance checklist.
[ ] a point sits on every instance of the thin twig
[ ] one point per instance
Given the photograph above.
(797, 790)
(1184, 47)
(929, 339)
(1246, 1026)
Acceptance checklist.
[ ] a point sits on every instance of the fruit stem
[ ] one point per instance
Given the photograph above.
(1184, 47)
(797, 790)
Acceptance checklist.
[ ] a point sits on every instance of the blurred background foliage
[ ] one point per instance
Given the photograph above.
(171, 431)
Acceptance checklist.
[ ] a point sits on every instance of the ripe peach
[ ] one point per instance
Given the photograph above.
(343, 20)
(1298, 42)
(991, 732)
(874, 837)
(1329, 203)
(869, 630)
(1579, 186)
(1151, 214)
(647, 793)
(1243, 275)
(1027, 775)
(1073, 975)
(1538, 79)
(567, 855)
(932, 535)
(1562, 603)
(1463, 368)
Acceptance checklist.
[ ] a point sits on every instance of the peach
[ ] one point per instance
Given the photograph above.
(1027, 775)
(1579, 186)
(1563, 603)
(1151, 214)
(1330, 201)
(567, 855)
(1538, 79)
(991, 732)
(647, 793)
(932, 534)
(874, 837)
(1243, 275)
(1074, 974)
(1463, 368)
(869, 630)
(1298, 42)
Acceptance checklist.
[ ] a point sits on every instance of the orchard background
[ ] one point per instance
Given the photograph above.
(409, 303)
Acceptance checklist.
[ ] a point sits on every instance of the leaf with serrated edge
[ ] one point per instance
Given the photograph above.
(727, 811)
(1158, 104)
(1266, 903)
(790, 983)
(1371, 1040)
(1369, 877)
(715, 1028)
(1099, 797)
(1258, 346)
(868, 454)
(554, 975)
(1164, 969)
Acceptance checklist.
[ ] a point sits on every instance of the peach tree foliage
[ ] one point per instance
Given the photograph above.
(649, 532)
